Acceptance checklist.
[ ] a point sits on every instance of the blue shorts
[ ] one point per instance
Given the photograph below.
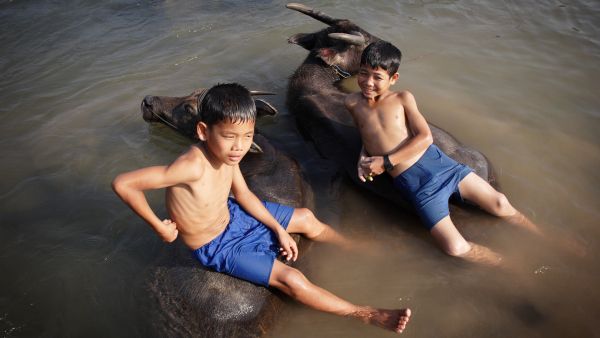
(246, 249)
(430, 182)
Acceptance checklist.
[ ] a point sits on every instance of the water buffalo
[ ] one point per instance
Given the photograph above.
(187, 299)
(317, 101)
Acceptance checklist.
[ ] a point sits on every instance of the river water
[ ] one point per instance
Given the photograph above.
(516, 80)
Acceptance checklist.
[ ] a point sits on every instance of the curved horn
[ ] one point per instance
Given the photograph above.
(264, 108)
(260, 92)
(255, 148)
(324, 18)
(354, 39)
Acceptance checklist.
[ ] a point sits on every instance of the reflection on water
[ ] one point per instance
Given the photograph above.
(513, 79)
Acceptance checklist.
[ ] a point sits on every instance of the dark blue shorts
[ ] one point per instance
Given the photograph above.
(430, 182)
(246, 249)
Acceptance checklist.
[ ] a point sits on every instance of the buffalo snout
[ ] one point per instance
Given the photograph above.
(147, 108)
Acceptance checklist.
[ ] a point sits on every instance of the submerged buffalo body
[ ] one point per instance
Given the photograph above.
(317, 101)
(189, 300)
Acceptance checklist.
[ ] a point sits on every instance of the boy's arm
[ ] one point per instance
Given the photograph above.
(251, 204)
(419, 128)
(349, 103)
(419, 141)
(130, 188)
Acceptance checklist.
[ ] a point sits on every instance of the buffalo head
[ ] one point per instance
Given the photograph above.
(340, 45)
(180, 112)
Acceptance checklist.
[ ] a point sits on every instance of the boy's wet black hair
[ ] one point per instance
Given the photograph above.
(230, 102)
(382, 54)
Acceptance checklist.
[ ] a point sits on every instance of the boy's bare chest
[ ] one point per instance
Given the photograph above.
(383, 123)
(212, 186)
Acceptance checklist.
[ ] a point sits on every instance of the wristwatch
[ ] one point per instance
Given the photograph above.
(387, 165)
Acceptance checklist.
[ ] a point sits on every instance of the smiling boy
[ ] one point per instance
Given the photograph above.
(397, 140)
(239, 236)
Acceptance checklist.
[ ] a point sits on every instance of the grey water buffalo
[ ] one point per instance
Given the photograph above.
(317, 101)
(188, 300)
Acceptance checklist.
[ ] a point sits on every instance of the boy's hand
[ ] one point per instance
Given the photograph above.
(362, 175)
(169, 232)
(372, 166)
(288, 246)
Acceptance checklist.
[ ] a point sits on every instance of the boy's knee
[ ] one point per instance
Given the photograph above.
(306, 215)
(118, 185)
(502, 206)
(308, 220)
(294, 280)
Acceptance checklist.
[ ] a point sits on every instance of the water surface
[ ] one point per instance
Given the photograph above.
(515, 79)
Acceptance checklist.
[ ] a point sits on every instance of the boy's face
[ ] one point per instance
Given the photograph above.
(228, 142)
(374, 81)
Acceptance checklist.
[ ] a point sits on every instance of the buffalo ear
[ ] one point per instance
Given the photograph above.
(306, 41)
(327, 55)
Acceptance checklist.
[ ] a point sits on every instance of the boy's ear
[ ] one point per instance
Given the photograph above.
(201, 129)
(394, 78)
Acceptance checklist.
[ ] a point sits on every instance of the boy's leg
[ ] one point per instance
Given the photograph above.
(454, 244)
(480, 192)
(304, 222)
(477, 190)
(293, 283)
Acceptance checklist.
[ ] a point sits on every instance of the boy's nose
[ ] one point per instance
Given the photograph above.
(237, 145)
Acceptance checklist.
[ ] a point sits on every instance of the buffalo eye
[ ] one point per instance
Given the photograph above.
(189, 109)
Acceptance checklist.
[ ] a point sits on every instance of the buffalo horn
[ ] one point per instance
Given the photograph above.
(255, 148)
(260, 92)
(358, 40)
(324, 18)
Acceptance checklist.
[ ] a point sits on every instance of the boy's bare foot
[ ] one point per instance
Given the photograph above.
(565, 243)
(521, 220)
(482, 255)
(571, 246)
(393, 320)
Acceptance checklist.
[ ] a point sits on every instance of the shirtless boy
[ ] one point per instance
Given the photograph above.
(397, 139)
(239, 236)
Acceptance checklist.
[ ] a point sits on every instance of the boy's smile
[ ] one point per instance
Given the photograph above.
(228, 142)
(374, 82)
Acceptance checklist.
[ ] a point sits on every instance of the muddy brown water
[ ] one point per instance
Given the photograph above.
(515, 79)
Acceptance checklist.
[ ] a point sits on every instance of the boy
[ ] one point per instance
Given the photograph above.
(238, 236)
(397, 139)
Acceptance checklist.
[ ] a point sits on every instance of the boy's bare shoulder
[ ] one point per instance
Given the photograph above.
(351, 100)
(192, 162)
(405, 96)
